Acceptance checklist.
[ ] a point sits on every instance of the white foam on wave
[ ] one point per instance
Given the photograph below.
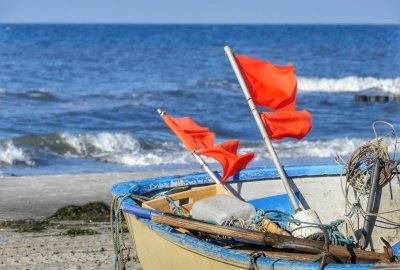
(124, 149)
(309, 149)
(221, 83)
(349, 84)
(11, 155)
(119, 148)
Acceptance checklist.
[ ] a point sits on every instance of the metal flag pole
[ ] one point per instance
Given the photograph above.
(262, 129)
(202, 163)
(272, 227)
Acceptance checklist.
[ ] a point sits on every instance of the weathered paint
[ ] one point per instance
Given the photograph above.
(213, 252)
(152, 184)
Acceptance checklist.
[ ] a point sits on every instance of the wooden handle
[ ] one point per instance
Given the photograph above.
(268, 239)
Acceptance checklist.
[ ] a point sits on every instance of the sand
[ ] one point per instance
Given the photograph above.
(23, 197)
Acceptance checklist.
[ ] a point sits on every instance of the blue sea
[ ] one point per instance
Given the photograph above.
(83, 98)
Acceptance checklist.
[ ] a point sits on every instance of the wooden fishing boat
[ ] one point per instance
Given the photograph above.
(357, 216)
(161, 246)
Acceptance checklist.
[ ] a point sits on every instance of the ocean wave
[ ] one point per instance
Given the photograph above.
(125, 149)
(319, 148)
(119, 148)
(37, 94)
(314, 84)
(13, 155)
(349, 84)
(107, 147)
(32, 94)
(342, 147)
(226, 84)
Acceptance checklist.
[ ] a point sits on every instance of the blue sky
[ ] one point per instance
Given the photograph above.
(201, 11)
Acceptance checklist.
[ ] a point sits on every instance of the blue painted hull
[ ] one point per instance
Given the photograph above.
(218, 253)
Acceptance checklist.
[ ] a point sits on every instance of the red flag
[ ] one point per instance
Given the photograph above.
(270, 85)
(280, 124)
(193, 136)
(275, 87)
(226, 154)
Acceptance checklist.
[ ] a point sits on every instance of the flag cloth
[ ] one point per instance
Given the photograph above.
(275, 87)
(280, 124)
(270, 85)
(226, 154)
(192, 135)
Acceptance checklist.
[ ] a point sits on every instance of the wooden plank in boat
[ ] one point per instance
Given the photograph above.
(185, 199)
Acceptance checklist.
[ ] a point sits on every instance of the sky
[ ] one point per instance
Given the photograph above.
(202, 11)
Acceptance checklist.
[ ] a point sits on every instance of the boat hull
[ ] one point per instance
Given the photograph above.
(158, 251)
(162, 247)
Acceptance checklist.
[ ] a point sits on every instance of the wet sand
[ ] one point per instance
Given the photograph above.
(35, 197)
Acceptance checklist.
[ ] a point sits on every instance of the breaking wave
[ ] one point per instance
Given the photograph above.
(349, 84)
(124, 149)
(114, 148)
(342, 147)
(314, 84)
(12, 155)
(315, 149)
(119, 148)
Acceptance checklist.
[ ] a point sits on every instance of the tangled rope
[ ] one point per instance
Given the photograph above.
(361, 162)
(176, 209)
(334, 235)
(241, 223)
(359, 171)
(122, 253)
(264, 218)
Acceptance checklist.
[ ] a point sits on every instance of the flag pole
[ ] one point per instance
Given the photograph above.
(272, 227)
(202, 163)
(262, 129)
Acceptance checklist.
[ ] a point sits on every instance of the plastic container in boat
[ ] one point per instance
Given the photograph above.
(219, 208)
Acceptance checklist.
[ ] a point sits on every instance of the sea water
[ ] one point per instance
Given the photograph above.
(83, 98)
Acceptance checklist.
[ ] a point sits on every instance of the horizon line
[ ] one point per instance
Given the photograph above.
(199, 23)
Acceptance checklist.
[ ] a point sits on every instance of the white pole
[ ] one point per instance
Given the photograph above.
(206, 168)
(203, 164)
(261, 127)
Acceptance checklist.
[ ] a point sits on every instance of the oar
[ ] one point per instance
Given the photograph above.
(268, 239)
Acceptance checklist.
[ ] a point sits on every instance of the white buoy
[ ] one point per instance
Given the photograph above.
(305, 229)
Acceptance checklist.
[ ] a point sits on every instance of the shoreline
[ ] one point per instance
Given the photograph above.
(54, 249)
(34, 197)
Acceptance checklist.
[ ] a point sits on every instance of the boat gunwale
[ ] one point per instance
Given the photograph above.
(252, 174)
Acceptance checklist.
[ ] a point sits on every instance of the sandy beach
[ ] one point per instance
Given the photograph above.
(35, 197)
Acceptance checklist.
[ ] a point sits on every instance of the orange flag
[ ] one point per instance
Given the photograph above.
(193, 136)
(270, 85)
(280, 124)
(275, 87)
(226, 154)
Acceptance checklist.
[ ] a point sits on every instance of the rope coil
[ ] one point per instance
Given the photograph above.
(359, 171)
(360, 164)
